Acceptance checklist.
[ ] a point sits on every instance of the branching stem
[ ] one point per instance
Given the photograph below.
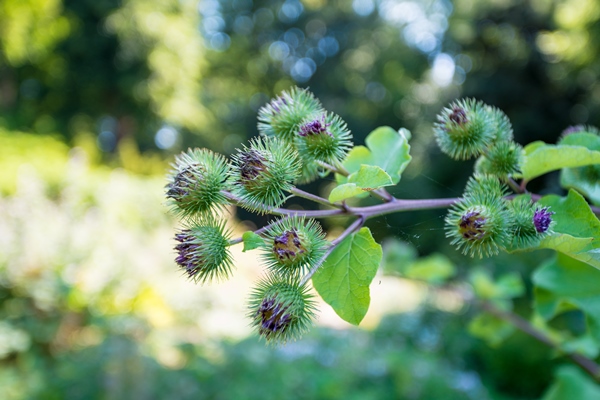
(526, 327)
(317, 199)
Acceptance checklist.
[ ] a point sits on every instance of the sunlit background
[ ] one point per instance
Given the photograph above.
(97, 96)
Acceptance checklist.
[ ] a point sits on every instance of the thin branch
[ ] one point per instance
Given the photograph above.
(334, 243)
(515, 186)
(339, 169)
(317, 199)
(259, 231)
(526, 327)
(400, 205)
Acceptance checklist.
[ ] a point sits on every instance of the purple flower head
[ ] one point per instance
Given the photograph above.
(315, 127)
(542, 219)
(252, 163)
(278, 102)
(185, 178)
(273, 316)
(458, 115)
(188, 256)
(472, 225)
(288, 246)
(573, 129)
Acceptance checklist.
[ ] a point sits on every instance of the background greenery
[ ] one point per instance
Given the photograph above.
(97, 96)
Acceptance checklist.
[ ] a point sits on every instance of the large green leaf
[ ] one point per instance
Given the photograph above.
(366, 179)
(387, 148)
(572, 384)
(584, 179)
(344, 278)
(564, 283)
(541, 158)
(577, 230)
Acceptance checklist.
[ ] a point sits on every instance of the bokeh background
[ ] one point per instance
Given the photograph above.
(97, 96)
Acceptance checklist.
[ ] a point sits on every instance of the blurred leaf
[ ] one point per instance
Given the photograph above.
(576, 179)
(572, 383)
(577, 228)
(491, 329)
(506, 287)
(435, 268)
(251, 241)
(584, 179)
(344, 278)
(397, 254)
(387, 148)
(541, 158)
(564, 283)
(586, 345)
(366, 179)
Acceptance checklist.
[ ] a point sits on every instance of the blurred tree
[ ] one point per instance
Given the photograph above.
(111, 68)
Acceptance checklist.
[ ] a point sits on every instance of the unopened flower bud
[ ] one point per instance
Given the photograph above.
(465, 129)
(202, 251)
(293, 245)
(531, 223)
(479, 227)
(196, 182)
(264, 172)
(284, 114)
(281, 309)
(502, 159)
(321, 137)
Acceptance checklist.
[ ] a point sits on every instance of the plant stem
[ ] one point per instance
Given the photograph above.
(524, 326)
(515, 186)
(317, 199)
(398, 205)
(356, 225)
(258, 231)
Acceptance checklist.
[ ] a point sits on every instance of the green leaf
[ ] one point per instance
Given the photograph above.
(575, 178)
(387, 148)
(541, 158)
(564, 283)
(491, 329)
(577, 228)
(366, 179)
(358, 156)
(583, 179)
(436, 268)
(251, 241)
(370, 177)
(344, 278)
(570, 384)
(345, 191)
(585, 345)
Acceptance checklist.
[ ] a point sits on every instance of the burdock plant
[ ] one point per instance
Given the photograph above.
(301, 142)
